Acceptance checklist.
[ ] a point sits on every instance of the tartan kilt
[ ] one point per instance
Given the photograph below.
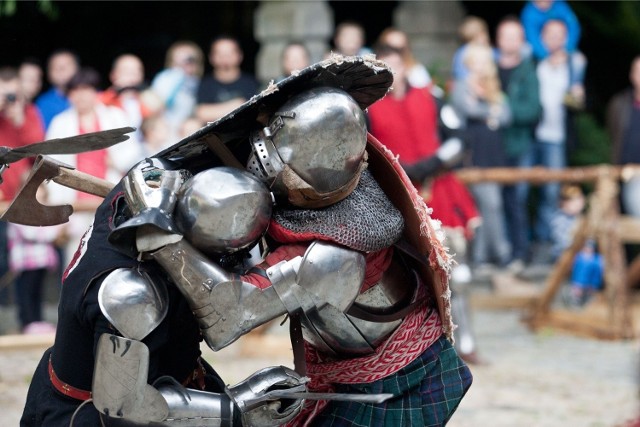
(427, 391)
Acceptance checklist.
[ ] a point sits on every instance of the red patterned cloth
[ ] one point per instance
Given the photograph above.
(418, 331)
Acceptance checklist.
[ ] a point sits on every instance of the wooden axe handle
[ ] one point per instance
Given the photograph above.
(83, 182)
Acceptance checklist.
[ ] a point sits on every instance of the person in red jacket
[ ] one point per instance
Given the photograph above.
(20, 124)
(406, 121)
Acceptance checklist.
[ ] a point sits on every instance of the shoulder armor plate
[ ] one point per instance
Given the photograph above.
(133, 303)
(332, 273)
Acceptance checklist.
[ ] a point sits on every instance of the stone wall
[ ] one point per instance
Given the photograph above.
(278, 22)
(431, 25)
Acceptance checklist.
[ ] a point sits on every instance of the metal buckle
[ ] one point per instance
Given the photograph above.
(3, 167)
(278, 123)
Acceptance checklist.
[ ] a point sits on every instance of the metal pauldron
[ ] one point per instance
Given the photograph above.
(223, 210)
(325, 285)
(133, 302)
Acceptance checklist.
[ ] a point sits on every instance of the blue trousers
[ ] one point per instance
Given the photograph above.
(553, 156)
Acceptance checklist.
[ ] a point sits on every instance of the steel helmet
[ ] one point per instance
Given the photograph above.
(313, 150)
(223, 209)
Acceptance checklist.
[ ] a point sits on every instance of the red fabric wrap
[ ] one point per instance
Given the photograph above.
(418, 331)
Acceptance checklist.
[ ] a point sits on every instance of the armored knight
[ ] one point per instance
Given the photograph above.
(322, 225)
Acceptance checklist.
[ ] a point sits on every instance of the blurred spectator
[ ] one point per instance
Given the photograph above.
(62, 65)
(518, 78)
(537, 13)
(128, 90)
(156, 135)
(349, 38)
(559, 76)
(177, 84)
(565, 218)
(20, 124)
(32, 253)
(189, 127)
(30, 75)
(228, 87)
(623, 121)
(586, 274)
(406, 121)
(417, 74)
(473, 32)
(295, 57)
(87, 115)
(479, 99)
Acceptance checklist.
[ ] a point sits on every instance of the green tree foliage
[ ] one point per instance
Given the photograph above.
(593, 142)
(8, 8)
(618, 21)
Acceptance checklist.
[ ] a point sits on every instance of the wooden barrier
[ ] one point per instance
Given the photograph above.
(610, 315)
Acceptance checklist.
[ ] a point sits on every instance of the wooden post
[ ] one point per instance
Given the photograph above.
(541, 175)
(602, 223)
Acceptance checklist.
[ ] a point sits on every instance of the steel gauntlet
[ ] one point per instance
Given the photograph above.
(151, 191)
(266, 399)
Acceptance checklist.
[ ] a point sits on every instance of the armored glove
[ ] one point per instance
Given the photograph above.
(445, 158)
(151, 192)
(260, 409)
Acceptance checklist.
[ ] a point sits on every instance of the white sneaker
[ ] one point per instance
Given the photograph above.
(516, 266)
(39, 328)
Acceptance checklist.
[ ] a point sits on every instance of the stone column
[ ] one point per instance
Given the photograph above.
(278, 22)
(432, 27)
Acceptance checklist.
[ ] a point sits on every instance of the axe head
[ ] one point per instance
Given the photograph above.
(26, 209)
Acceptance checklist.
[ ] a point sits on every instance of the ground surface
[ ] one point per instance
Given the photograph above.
(545, 379)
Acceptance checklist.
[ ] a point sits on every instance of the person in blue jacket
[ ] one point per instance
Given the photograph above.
(536, 13)
(586, 274)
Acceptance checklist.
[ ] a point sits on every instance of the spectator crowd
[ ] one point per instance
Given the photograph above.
(511, 105)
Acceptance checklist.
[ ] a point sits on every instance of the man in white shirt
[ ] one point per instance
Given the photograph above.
(560, 76)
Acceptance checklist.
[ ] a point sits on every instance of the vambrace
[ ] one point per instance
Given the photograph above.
(225, 306)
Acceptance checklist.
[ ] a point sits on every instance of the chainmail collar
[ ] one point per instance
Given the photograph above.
(365, 221)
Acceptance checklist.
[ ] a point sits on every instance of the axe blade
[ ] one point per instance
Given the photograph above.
(27, 210)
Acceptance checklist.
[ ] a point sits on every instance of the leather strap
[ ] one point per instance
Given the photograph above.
(297, 344)
(407, 248)
(362, 313)
(65, 388)
(218, 147)
(196, 378)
